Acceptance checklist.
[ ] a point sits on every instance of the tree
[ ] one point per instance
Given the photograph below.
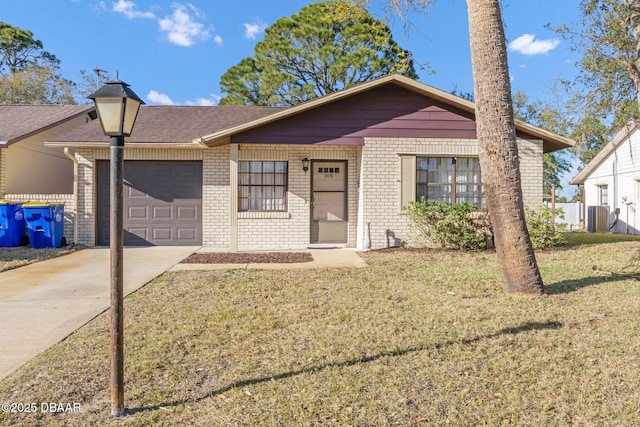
(36, 84)
(18, 49)
(90, 82)
(326, 47)
(605, 92)
(498, 150)
(553, 164)
(29, 74)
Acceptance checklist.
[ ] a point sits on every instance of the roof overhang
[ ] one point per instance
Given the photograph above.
(145, 145)
(551, 141)
(90, 111)
(622, 135)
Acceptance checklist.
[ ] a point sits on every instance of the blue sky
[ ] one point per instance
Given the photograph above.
(175, 52)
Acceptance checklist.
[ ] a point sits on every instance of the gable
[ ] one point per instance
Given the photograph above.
(18, 122)
(626, 134)
(385, 111)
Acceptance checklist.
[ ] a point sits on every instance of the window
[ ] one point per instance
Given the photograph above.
(262, 186)
(450, 179)
(603, 195)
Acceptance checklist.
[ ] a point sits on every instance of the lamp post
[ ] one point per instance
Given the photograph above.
(117, 107)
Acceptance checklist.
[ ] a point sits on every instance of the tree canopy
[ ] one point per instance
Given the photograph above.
(324, 48)
(553, 164)
(605, 92)
(28, 73)
(18, 49)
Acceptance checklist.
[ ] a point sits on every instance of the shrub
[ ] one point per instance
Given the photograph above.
(543, 231)
(446, 225)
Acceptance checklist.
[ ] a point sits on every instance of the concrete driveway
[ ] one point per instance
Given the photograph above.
(43, 303)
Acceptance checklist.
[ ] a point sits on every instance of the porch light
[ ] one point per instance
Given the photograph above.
(305, 165)
(117, 107)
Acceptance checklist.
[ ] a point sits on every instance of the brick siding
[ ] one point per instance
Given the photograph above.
(380, 182)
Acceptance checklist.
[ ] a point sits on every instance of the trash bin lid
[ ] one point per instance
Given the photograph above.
(36, 204)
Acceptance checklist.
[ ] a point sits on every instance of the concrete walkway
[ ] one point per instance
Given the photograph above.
(322, 258)
(42, 303)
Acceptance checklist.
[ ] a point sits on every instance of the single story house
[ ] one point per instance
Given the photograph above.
(332, 171)
(611, 184)
(29, 170)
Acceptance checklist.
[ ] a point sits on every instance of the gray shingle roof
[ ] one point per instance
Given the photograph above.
(172, 124)
(21, 121)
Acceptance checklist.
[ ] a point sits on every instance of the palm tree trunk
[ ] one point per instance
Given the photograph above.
(498, 150)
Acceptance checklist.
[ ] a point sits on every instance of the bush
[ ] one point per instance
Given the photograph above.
(446, 225)
(543, 231)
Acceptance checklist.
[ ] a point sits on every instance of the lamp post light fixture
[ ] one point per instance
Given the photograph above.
(117, 107)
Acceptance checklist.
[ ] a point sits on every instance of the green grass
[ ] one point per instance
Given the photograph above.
(579, 238)
(416, 338)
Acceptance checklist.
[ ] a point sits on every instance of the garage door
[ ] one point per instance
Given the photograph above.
(162, 203)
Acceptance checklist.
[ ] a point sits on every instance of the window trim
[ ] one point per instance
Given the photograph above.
(408, 179)
(285, 186)
(600, 188)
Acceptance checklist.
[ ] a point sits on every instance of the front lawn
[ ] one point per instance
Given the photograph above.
(417, 338)
(576, 239)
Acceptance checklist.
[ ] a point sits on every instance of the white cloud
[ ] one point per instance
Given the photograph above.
(127, 8)
(206, 102)
(526, 44)
(181, 27)
(251, 30)
(159, 98)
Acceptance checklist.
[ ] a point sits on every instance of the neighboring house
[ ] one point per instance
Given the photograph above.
(332, 171)
(611, 182)
(28, 169)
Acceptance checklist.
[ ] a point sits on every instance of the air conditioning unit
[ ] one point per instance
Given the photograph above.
(598, 219)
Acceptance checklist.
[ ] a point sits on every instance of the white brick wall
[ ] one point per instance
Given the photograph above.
(3, 170)
(86, 197)
(216, 198)
(380, 181)
(373, 184)
(292, 229)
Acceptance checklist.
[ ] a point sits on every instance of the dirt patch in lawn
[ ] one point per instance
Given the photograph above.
(249, 258)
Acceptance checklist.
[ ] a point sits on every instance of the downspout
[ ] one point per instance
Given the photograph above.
(72, 157)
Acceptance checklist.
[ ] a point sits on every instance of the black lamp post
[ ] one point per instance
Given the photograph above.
(117, 107)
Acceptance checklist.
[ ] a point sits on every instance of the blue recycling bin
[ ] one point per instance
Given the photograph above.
(45, 222)
(12, 224)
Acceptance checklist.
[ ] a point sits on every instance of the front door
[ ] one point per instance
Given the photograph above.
(329, 201)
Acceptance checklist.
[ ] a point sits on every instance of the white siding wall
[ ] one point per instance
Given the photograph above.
(621, 173)
(29, 171)
(32, 168)
(380, 183)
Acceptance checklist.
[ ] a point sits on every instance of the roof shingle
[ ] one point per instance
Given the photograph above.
(20, 121)
(173, 124)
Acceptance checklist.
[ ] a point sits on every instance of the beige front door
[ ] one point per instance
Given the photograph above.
(329, 201)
